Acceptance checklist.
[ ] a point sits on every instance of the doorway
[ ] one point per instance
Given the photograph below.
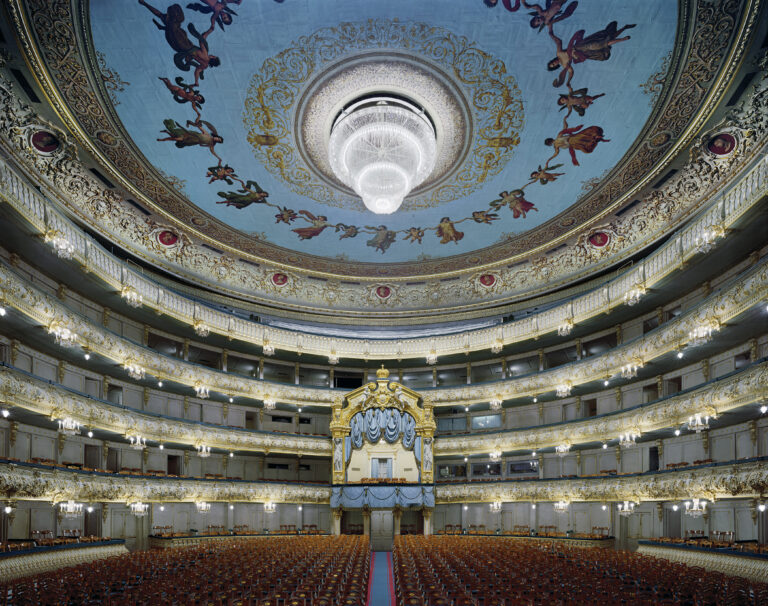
(382, 530)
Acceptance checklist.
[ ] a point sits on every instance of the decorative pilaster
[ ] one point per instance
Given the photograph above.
(337, 514)
(427, 513)
(705, 370)
(60, 370)
(397, 516)
(366, 521)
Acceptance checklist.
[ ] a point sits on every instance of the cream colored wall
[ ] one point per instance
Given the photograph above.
(403, 461)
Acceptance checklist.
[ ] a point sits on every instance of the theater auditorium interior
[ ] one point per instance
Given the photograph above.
(341, 303)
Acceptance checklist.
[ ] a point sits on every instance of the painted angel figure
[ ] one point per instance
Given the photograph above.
(575, 139)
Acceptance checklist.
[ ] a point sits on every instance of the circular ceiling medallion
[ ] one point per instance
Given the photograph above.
(167, 238)
(722, 144)
(383, 292)
(599, 239)
(279, 279)
(44, 142)
(293, 100)
(487, 280)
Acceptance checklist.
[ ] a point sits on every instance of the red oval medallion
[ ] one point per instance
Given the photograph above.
(279, 279)
(383, 292)
(167, 238)
(44, 141)
(487, 280)
(599, 239)
(722, 144)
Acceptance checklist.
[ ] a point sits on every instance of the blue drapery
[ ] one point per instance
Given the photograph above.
(382, 497)
(376, 423)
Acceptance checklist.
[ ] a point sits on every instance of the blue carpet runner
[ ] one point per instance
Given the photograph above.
(381, 584)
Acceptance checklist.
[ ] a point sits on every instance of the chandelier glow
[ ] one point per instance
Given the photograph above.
(137, 442)
(627, 440)
(627, 508)
(63, 247)
(202, 391)
(382, 147)
(565, 328)
(269, 507)
(496, 404)
(703, 333)
(269, 404)
(69, 426)
(561, 507)
(695, 508)
(698, 423)
(495, 507)
(201, 328)
(562, 449)
(70, 509)
(134, 370)
(139, 509)
(203, 451)
(203, 507)
(131, 296)
(563, 390)
(634, 294)
(62, 335)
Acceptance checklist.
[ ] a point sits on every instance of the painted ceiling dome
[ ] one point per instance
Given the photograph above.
(512, 146)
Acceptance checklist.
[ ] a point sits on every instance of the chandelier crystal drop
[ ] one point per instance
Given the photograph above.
(131, 296)
(202, 391)
(702, 334)
(137, 442)
(382, 147)
(561, 507)
(203, 451)
(565, 328)
(695, 508)
(495, 507)
(698, 422)
(69, 426)
(63, 247)
(139, 509)
(70, 509)
(203, 506)
(563, 390)
(134, 370)
(63, 336)
(629, 439)
(627, 508)
(201, 328)
(269, 507)
(562, 449)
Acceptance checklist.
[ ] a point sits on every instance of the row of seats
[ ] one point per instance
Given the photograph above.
(719, 539)
(290, 571)
(487, 571)
(381, 481)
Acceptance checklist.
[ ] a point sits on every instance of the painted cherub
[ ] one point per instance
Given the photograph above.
(251, 193)
(221, 173)
(319, 223)
(382, 238)
(447, 231)
(220, 13)
(577, 100)
(348, 231)
(596, 47)
(286, 215)
(184, 137)
(552, 12)
(414, 234)
(544, 175)
(515, 201)
(575, 139)
(183, 93)
(484, 216)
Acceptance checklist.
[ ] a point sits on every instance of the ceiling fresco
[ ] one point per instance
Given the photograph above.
(534, 104)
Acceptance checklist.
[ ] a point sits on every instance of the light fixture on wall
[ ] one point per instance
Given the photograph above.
(5, 413)
(629, 439)
(702, 333)
(269, 404)
(495, 507)
(134, 370)
(137, 442)
(562, 449)
(333, 359)
(201, 328)
(270, 507)
(203, 506)
(629, 371)
(705, 241)
(496, 404)
(533, 505)
(627, 508)
(69, 426)
(431, 358)
(63, 247)
(560, 507)
(698, 422)
(70, 509)
(202, 391)
(634, 294)
(761, 507)
(564, 389)
(131, 296)
(695, 508)
(203, 451)
(162, 507)
(497, 346)
(495, 455)
(139, 509)
(565, 328)
(267, 349)
(63, 336)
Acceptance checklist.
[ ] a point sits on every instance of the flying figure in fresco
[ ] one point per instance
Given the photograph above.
(222, 173)
(187, 54)
(319, 223)
(249, 194)
(544, 175)
(516, 202)
(484, 216)
(286, 215)
(220, 13)
(348, 231)
(414, 234)
(183, 93)
(577, 100)
(382, 239)
(448, 232)
(596, 47)
(552, 12)
(574, 139)
(183, 137)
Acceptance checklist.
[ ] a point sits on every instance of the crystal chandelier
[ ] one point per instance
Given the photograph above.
(137, 442)
(70, 509)
(201, 391)
(634, 294)
(698, 423)
(269, 350)
(203, 451)
(562, 449)
(695, 508)
(63, 247)
(131, 296)
(703, 333)
(62, 335)
(139, 509)
(495, 455)
(203, 506)
(705, 242)
(201, 328)
(561, 507)
(496, 404)
(432, 358)
(627, 508)
(497, 346)
(382, 147)
(333, 358)
(495, 507)
(269, 404)
(563, 390)
(627, 440)
(134, 370)
(269, 507)
(69, 426)
(565, 328)
(629, 371)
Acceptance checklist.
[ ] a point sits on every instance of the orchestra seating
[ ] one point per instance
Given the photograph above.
(295, 571)
(499, 571)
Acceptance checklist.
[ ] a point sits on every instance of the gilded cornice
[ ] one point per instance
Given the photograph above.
(712, 398)
(740, 294)
(685, 193)
(21, 390)
(740, 480)
(29, 483)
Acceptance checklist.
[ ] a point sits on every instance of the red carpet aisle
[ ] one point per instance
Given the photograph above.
(381, 585)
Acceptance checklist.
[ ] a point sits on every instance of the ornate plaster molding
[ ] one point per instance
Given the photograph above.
(22, 482)
(740, 480)
(712, 398)
(675, 202)
(743, 292)
(21, 390)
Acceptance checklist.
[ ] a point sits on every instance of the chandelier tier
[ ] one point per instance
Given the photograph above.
(382, 147)
(695, 507)
(70, 509)
(139, 509)
(627, 508)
